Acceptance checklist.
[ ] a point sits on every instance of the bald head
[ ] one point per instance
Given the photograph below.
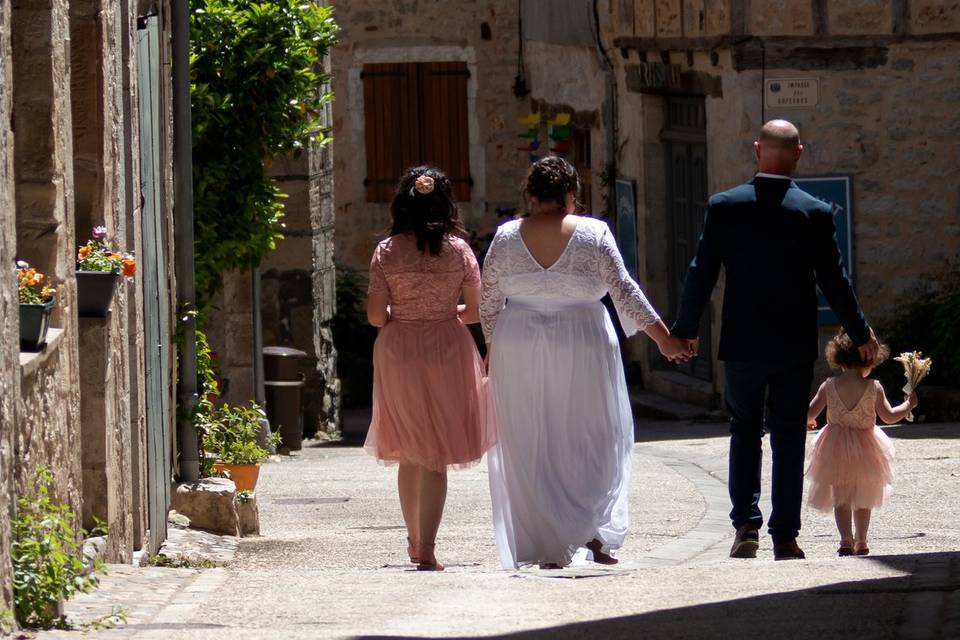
(778, 148)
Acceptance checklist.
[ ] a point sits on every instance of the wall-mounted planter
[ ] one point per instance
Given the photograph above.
(95, 293)
(34, 322)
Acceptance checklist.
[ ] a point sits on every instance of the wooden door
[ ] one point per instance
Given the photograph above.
(685, 141)
(156, 297)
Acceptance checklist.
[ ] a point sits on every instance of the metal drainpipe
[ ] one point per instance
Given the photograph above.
(183, 234)
(609, 116)
(259, 392)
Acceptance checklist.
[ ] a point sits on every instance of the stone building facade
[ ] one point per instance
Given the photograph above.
(483, 37)
(697, 79)
(84, 98)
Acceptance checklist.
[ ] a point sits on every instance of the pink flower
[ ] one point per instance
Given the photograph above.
(99, 233)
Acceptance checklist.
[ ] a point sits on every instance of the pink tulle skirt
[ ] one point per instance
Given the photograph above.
(849, 467)
(429, 401)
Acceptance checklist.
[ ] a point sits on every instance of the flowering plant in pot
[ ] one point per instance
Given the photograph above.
(37, 299)
(232, 433)
(98, 270)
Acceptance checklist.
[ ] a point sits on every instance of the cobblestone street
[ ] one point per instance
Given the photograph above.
(330, 562)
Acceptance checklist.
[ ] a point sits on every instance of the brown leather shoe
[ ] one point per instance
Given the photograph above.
(746, 542)
(788, 551)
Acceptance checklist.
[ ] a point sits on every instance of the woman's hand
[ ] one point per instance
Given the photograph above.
(674, 348)
(811, 425)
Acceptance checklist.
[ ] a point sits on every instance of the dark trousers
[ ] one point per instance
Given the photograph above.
(785, 390)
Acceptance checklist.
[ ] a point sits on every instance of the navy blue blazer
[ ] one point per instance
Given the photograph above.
(776, 243)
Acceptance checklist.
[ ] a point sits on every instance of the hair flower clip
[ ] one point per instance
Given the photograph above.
(424, 185)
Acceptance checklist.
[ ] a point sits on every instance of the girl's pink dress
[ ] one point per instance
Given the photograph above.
(428, 392)
(850, 459)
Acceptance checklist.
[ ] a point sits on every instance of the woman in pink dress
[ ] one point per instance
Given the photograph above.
(428, 407)
(850, 459)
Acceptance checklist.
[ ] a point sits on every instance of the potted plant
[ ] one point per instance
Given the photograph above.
(36, 304)
(98, 270)
(231, 432)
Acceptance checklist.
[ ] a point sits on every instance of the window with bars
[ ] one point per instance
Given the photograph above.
(415, 113)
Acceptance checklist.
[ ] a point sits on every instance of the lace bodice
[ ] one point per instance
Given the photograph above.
(589, 267)
(420, 286)
(861, 416)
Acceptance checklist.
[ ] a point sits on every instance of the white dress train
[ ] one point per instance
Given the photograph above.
(561, 468)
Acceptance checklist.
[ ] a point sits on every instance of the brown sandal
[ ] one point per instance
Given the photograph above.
(599, 555)
(861, 549)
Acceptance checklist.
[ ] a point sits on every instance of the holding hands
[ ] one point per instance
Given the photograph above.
(673, 348)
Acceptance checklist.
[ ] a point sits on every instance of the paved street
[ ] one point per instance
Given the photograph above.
(330, 562)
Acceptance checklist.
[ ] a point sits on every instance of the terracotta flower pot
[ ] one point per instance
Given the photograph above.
(95, 293)
(34, 322)
(243, 475)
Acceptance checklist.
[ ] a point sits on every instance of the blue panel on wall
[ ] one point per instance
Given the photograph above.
(834, 190)
(627, 224)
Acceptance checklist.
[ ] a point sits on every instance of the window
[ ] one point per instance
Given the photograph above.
(415, 113)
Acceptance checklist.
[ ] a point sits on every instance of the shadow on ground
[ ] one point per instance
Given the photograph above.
(663, 430)
(881, 608)
(939, 430)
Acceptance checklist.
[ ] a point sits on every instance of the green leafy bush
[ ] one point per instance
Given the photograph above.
(232, 433)
(930, 323)
(257, 92)
(47, 556)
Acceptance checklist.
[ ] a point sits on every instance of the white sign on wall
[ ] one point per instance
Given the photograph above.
(792, 93)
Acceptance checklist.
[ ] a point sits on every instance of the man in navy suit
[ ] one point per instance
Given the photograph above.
(776, 244)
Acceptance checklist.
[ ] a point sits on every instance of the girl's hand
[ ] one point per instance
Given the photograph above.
(811, 424)
(911, 400)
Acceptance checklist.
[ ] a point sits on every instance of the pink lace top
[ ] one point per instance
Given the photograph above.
(862, 415)
(421, 286)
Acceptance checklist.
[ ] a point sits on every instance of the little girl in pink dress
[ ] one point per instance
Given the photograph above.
(428, 402)
(849, 467)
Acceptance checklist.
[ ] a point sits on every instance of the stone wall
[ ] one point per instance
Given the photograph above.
(97, 96)
(9, 353)
(230, 333)
(482, 34)
(48, 421)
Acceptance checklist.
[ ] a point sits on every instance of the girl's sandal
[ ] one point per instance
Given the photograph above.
(428, 566)
(412, 551)
(846, 548)
(861, 549)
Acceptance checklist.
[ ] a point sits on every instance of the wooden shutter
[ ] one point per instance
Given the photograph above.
(392, 125)
(445, 137)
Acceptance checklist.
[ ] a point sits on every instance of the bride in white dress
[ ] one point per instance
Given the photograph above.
(560, 471)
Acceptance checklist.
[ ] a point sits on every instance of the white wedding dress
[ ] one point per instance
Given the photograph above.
(560, 470)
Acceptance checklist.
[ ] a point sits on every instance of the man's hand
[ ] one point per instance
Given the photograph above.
(693, 347)
(869, 351)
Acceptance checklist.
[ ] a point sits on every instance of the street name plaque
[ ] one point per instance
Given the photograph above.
(792, 93)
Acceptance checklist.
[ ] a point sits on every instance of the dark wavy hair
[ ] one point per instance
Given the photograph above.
(550, 179)
(842, 353)
(430, 216)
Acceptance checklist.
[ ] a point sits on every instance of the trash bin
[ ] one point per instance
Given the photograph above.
(283, 373)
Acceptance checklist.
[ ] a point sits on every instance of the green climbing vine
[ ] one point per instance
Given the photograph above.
(257, 92)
